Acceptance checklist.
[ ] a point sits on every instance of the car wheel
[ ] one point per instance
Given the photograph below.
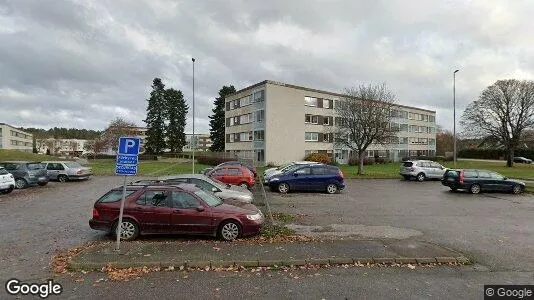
(62, 178)
(516, 189)
(454, 189)
(331, 188)
(243, 185)
(421, 177)
(21, 183)
(474, 189)
(129, 230)
(229, 231)
(283, 188)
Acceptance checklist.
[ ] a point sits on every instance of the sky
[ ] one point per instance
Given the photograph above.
(82, 63)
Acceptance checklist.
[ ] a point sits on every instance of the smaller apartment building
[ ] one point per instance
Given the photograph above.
(12, 138)
(203, 142)
(273, 122)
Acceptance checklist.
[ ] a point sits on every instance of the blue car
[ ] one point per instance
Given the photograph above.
(309, 178)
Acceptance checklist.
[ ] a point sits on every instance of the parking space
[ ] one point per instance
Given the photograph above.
(495, 229)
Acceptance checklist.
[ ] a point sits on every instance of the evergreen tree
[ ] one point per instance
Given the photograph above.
(217, 120)
(176, 110)
(155, 118)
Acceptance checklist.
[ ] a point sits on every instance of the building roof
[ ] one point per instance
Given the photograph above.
(310, 90)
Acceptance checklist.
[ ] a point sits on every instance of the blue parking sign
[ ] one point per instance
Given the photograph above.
(129, 145)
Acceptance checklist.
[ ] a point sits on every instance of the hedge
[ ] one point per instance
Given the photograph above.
(212, 160)
(493, 153)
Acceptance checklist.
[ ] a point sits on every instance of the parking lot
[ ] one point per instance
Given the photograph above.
(496, 230)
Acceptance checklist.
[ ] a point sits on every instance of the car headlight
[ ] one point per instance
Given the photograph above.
(274, 179)
(254, 217)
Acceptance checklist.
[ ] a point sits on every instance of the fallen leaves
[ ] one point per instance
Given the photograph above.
(61, 259)
(116, 274)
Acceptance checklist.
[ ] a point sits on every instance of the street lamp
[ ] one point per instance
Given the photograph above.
(193, 138)
(454, 114)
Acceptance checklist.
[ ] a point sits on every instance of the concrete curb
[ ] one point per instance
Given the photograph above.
(389, 261)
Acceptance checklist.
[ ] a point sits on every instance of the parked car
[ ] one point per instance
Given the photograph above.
(232, 164)
(236, 175)
(267, 174)
(182, 209)
(7, 181)
(522, 160)
(421, 170)
(26, 173)
(63, 171)
(476, 181)
(222, 190)
(315, 177)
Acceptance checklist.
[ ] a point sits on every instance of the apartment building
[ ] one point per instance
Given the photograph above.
(203, 142)
(72, 147)
(274, 122)
(12, 138)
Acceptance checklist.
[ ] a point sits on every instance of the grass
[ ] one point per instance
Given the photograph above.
(19, 155)
(146, 168)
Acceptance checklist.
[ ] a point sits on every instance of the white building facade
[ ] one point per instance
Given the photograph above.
(12, 138)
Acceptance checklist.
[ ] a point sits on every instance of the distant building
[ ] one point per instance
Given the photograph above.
(203, 142)
(12, 138)
(139, 132)
(66, 147)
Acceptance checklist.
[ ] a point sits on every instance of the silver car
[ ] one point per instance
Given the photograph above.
(220, 189)
(421, 170)
(66, 170)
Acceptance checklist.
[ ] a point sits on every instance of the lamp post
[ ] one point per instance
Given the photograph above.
(454, 114)
(193, 138)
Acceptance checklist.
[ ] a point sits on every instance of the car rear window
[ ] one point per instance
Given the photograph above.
(407, 164)
(73, 165)
(470, 174)
(452, 173)
(114, 196)
(34, 166)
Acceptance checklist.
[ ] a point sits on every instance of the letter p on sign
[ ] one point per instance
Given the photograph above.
(129, 145)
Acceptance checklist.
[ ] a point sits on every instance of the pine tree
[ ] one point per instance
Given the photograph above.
(176, 113)
(155, 118)
(217, 120)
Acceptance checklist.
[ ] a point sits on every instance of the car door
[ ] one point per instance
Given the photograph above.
(152, 210)
(186, 216)
(486, 182)
(52, 171)
(219, 174)
(234, 176)
(438, 170)
(300, 179)
(318, 178)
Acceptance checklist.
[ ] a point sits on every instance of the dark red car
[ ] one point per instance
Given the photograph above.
(235, 175)
(182, 209)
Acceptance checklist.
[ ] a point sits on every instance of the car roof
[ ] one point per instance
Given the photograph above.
(20, 162)
(183, 186)
(56, 161)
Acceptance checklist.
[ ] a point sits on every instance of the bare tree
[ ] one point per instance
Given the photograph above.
(117, 128)
(444, 141)
(364, 115)
(504, 111)
(96, 146)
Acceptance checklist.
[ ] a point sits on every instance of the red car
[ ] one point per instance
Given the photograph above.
(236, 175)
(182, 209)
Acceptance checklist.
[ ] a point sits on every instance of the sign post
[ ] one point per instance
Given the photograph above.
(126, 165)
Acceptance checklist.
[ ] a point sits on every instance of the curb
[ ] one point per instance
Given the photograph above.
(388, 261)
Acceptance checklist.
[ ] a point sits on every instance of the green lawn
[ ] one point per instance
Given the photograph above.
(19, 155)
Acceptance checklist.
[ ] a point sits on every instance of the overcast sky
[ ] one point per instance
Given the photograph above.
(81, 63)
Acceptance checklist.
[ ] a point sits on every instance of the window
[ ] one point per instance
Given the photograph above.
(202, 184)
(184, 200)
(496, 176)
(245, 101)
(304, 171)
(153, 198)
(327, 120)
(328, 137)
(404, 127)
(484, 174)
(244, 119)
(431, 119)
(259, 96)
(308, 152)
(327, 103)
(311, 136)
(410, 116)
(310, 101)
(431, 142)
(318, 171)
(259, 135)
(259, 116)
(228, 105)
(245, 136)
(236, 103)
(114, 196)
(413, 128)
(232, 138)
(311, 119)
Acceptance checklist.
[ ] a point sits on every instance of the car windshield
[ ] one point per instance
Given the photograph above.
(34, 166)
(284, 167)
(210, 199)
(407, 164)
(73, 164)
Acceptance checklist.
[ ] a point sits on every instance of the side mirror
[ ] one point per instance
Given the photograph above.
(296, 174)
(214, 189)
(200, 208)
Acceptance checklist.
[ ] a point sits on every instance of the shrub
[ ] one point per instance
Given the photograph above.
(353, 161)
(271, 165)
(382, 160)
(319, 157)
(368, 161)
(148, 157)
